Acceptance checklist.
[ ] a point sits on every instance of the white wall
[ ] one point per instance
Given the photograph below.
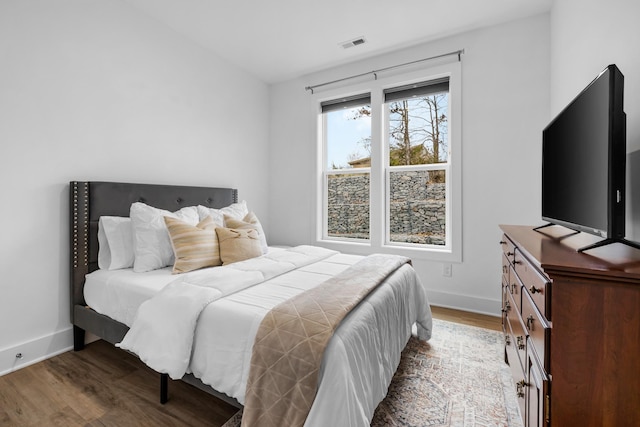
(586, 36)
(505, 105)
(94, 90)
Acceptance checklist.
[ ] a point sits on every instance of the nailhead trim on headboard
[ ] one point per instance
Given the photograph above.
(80, 256)
(86, 224)
(75, 224)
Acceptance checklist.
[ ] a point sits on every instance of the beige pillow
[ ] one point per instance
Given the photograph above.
(194, 246)
(238, 244)
(249, 221)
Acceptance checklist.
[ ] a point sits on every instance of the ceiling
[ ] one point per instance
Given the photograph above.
(278, 40)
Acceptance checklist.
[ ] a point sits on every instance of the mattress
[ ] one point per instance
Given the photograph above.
(359, 362)
(119, 293)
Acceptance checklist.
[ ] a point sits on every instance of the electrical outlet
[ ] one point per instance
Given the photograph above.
(446, 270)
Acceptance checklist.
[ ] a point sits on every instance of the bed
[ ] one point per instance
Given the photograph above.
(383, 321)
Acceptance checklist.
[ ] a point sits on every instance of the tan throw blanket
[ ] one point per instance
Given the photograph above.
(291, 340)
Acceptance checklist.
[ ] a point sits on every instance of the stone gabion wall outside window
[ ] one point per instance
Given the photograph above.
(417, 207)
(348, 207)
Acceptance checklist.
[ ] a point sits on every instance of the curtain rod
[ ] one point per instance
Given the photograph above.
(375, 72)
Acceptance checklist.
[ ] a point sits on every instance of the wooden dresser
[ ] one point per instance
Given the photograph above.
(571, 322)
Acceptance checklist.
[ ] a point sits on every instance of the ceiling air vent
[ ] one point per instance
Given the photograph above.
(352, 43)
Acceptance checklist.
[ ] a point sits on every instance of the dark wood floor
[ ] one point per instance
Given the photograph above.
(467, 318)
(102, 386)
(105, 386)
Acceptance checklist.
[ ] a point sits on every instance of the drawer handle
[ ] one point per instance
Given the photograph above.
(507, 339)
(507, 307)
(534, 290)
(530, 322)
(502, 242)
(547, 404)
(509, 253)
(514, 288)
(517, 262)
(520, 385)
(520, 340)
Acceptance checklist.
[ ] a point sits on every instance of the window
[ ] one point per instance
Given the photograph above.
(389, 165)
(417, 162)
(347, 169)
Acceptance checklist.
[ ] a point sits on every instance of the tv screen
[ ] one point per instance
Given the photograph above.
(583, 160)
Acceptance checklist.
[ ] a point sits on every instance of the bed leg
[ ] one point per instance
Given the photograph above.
(164, 388)
(78, 338)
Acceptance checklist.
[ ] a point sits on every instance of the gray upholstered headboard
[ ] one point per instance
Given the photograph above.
(91, 200)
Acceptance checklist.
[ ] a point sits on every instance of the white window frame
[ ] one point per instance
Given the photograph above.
(379, 171)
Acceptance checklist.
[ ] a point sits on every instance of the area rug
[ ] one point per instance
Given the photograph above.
(457, 379)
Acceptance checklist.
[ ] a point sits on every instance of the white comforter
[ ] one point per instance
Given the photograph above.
(221, 318)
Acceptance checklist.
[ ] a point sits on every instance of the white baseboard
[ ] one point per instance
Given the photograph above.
(487, 306)
(35, 350)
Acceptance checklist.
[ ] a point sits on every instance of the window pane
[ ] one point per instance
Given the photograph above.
(348, 138)
(348, 205)
(418, 130)
(417, 211)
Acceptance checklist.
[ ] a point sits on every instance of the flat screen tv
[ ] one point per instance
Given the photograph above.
(584, 161)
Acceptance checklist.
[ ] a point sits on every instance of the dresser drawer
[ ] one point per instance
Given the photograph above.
(506, 267)
(507, 302)
(511, 353)
(537, 328)
(518, 374)
(518, 333)
(508, 248)
(538, 286)
(538, 391)
(515, 290)
(506, 305)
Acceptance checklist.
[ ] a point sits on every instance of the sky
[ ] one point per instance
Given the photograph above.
(344, 134)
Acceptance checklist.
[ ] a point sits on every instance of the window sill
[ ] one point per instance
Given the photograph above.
(366, 248)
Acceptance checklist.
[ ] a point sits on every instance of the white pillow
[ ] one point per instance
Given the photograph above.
(115, 243)
(236, 210)
(151, 243)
